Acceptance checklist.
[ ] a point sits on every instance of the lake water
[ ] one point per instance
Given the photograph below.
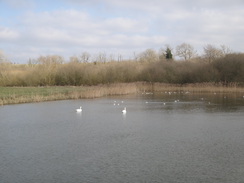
(166, 137)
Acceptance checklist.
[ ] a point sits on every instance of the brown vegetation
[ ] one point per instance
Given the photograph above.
(16, 95)
(226, 70)
(82, 77)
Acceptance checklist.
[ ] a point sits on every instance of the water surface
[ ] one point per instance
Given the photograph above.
(166, 137)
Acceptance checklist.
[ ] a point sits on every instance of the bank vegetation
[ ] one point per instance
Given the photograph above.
(53, 71)
(52, 78)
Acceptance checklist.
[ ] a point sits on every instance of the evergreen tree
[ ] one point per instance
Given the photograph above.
(168, 54)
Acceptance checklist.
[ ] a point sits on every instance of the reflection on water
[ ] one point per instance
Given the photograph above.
(176, 137)
(212, 102)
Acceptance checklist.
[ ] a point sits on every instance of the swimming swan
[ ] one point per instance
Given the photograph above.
(79, 110)
(124, 110)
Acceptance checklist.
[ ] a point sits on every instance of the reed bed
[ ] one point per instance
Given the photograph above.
(198, 87)
(17, 95)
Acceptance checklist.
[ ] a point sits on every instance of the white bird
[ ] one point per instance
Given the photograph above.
(124, 110)
(79, 110)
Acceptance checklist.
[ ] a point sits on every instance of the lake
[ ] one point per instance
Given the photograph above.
(166, 137)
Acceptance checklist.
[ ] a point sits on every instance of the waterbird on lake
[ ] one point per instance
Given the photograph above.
(124, 110)
(79, 110)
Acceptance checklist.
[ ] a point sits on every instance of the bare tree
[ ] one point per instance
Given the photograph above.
(74, 59)
(120, 57)
(225, 50)
(211, 52)
(148, 55)
(50, 60)
(32, 62)
(85, 57)
(135, 56)
(102, 57)
(111, 58)
(3, 58)
(185, 51)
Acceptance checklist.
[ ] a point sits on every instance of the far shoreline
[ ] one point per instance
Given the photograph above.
(19, 95)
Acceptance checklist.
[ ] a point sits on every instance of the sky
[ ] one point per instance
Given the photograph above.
(33, 28)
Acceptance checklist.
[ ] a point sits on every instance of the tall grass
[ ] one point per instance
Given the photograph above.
(21, 83)
(15, 95)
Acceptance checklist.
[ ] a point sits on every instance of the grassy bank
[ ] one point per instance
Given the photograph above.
(16, 95)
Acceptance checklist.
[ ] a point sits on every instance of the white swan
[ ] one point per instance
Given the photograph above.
(79, 110)
(124, 110)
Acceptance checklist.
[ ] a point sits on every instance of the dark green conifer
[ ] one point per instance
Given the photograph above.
(168, 54)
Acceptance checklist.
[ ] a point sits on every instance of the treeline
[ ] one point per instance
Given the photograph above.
(53, 71)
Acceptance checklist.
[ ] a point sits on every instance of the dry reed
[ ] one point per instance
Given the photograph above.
(113, 89)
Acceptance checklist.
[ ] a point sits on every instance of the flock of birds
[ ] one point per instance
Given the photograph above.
(79, 110)
(124, 111)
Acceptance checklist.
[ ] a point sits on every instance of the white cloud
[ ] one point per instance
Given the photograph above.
(8, 34)
(17, 4)
(121, 24)
(72, 26)
(124, 26)
(71, 29)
